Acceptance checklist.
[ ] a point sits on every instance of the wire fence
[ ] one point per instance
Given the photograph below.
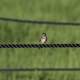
(39, 45)
(38, 69)
(39, 21)
(8, 70)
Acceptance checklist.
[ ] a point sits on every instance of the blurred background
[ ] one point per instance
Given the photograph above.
(11, 32)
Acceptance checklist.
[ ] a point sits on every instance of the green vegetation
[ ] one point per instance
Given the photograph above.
(56, 10)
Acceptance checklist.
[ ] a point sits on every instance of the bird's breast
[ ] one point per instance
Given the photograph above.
(43, 40)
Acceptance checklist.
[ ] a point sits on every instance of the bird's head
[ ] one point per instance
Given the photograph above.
(43, 34)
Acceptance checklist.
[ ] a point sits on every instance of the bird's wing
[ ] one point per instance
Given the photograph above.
(46, 38)
(40, 39)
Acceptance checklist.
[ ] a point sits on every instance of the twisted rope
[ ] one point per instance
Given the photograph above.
(39, 45)
(39, 22)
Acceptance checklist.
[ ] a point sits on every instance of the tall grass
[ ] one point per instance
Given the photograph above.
(56, 10)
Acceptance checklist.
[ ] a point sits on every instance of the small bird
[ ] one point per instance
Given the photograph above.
(43, 38)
